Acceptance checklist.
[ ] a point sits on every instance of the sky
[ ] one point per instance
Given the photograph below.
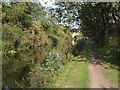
(47, 3)
(50, 3)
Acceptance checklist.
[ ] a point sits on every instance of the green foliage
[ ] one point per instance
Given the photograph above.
(31, 40)
(75, 73)
(78, 47)
(49, 69)
(98, 21)
(10, 34)
(108, 53)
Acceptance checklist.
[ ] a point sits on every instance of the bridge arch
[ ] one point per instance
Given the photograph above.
(74, 36)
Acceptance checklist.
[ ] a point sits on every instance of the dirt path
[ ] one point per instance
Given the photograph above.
(97, 78)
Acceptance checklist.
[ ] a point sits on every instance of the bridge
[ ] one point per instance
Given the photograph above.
(74, 34)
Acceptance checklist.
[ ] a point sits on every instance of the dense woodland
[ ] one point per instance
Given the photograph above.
(36, 47)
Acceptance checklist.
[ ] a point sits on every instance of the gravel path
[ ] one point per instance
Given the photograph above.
(97, 78)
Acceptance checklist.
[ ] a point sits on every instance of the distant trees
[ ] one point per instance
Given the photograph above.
(99, 21)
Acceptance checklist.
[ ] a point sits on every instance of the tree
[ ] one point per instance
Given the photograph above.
(32, 47)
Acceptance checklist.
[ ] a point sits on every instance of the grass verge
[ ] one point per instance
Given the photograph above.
(112, 75)
(75, 73)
